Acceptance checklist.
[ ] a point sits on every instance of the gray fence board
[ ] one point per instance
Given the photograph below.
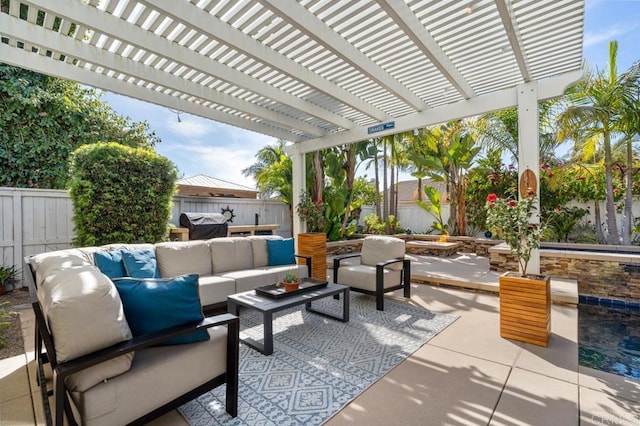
(34, 221)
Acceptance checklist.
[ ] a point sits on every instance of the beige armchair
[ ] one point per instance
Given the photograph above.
(382, 268)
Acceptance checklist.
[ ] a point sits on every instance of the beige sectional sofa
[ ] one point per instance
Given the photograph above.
(225, 265)
(81, 322)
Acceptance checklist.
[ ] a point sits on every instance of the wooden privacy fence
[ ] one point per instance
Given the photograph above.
(41, 220)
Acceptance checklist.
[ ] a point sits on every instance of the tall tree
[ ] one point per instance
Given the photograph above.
(44, 119)
(596, 108)
(273, 173)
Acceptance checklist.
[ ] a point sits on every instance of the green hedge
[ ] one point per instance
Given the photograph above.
(120, 194)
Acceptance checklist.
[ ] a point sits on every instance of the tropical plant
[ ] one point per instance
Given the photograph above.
(273, 173)
(311, 212)
(597, 109)
(44, 119)
(434, 208)
(120, 194)
(373, 225)
(8, 278)
(563, 220)
(489, 176)
(510, 220)
(449, 152)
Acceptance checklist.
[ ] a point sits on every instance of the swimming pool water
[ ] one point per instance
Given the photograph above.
(609, 339)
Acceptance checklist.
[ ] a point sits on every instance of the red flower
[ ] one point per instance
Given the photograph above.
(530, 191)
(559, 208)
(512, 203)
(492, 198)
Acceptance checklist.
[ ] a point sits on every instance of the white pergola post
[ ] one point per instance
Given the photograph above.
(299, 183)
(528, 152)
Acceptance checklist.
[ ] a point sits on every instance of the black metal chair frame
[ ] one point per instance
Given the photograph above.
(405, 278)
(63, 370)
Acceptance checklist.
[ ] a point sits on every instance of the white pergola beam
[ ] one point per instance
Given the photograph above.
(112, 62)
(306, 22)
(513, 34)
(219, 30)
(506, 98)
(136, 36)
(409, 23)
(528, 152)
(61, 69)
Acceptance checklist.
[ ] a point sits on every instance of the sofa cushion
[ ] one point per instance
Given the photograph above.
(230, 254)
(364, 277)
(377, 249)
(259, 248)
(140, 263)
(249, 279)
(89, 377)
(156, 377)
(214, 289)
(281, 252)
(180, 258)
(84, 313)
(158, 303)
(110, 263)
(45, 263)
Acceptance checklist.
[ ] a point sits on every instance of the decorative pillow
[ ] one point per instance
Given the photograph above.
(281, 252)
(159, 303)
(110, 263)
(140, 263)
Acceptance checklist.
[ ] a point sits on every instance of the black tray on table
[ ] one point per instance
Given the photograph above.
(274, 292)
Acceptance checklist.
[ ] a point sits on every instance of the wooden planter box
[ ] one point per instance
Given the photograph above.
(525, 309)
(314, 244)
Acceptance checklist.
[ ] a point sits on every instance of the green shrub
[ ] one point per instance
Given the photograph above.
(120, 194)
(372, 224)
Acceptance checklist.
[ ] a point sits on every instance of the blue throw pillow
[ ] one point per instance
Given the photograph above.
(110, 263)
(159, 303)
(281, 252)
(140, 263)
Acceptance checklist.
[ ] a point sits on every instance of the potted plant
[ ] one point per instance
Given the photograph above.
(8, 278)
(313, 242)
(291, 281)
(525, 299)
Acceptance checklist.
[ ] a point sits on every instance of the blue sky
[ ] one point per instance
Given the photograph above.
(197, 145)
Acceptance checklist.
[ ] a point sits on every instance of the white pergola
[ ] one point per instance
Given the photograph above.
(317, 73)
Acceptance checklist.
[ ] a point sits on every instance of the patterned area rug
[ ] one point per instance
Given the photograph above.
(318, 364)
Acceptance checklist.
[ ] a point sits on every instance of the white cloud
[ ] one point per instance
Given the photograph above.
(225, 161)
(606, 34)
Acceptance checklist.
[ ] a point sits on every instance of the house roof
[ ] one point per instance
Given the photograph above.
(316, 72)
(407, 188)
(203, 185)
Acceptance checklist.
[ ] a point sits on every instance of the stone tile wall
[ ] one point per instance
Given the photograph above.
(611, 276)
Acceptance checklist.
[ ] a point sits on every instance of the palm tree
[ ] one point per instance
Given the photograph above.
(273, 173)
(596, 108)
(499, 130)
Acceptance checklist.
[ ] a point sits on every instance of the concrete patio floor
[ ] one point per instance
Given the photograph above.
(466, 375)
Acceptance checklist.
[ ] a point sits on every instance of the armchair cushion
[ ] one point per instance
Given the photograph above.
(377, 249)
(155, 304)
(364, 277)
(281, 252)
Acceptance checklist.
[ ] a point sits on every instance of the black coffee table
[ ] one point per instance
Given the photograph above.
(267, 306)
